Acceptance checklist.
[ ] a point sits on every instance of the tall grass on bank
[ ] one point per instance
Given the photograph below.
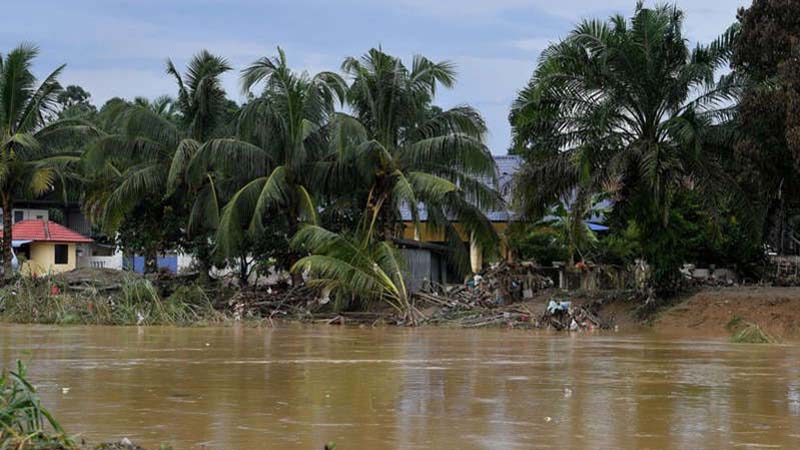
(135, 302)
(752, 334)
(26, 424)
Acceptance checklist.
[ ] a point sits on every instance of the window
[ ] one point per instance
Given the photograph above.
(18, 216)
(62, 254)
(39, 217)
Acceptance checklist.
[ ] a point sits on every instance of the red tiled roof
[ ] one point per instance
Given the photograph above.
(42, 231)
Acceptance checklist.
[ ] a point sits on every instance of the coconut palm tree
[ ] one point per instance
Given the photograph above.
(144, 155)
(34, 151)
(626, 107)
(272, 161)
(349, 267)
(414, 155)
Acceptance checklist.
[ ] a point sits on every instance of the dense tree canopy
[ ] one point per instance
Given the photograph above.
(624, 106)
(35, 151)
(768, 151)
(694, 149)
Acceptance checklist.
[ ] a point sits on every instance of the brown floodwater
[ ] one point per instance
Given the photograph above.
(393, 388)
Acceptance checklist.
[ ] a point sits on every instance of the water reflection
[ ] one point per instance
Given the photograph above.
(296, 388)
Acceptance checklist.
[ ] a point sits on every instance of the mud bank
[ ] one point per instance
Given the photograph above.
(721, 312)
(710, 312)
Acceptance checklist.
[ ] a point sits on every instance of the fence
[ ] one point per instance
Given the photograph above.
(100, 262)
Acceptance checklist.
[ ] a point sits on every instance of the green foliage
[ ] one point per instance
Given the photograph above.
(752, 334)
(404, 152)
(766, 157)
(36, 155)
(136, 235)
(136, 302)
(624, 106)
(621, 247)
(271, 166)
(354, 268)
(137, 171)
(540, 244)
(24, 423)
(74, 103)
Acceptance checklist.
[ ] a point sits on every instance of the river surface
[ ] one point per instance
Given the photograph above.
(392, 388)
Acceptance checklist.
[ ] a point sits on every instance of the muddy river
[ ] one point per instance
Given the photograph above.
(368, 389)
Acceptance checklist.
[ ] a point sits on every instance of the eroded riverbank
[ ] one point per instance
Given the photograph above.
(297, 387)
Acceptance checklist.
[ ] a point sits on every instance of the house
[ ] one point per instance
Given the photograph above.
(43, 246)
(97, 253)
(424, 246)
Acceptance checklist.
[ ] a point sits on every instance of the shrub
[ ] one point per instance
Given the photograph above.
(26, 424)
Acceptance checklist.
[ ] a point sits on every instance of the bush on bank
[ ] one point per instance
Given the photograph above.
(134, 301)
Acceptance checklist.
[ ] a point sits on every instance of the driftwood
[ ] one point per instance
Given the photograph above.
(487, 299)
(573, 319)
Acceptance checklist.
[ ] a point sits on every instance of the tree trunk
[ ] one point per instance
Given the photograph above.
(203, 254)
(8, 271)
(387, 220)
(296, 277)
(151, 260)
(244, 271)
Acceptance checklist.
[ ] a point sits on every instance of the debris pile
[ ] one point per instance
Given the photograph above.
(279, 301)
(502, 284)
(505, 295)
(561, 315)
(785, 271)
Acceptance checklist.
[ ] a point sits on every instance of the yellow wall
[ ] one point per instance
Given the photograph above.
(43, 257)
(432, 234)
(428, 233)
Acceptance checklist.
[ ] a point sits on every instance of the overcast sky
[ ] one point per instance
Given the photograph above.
(119, 48)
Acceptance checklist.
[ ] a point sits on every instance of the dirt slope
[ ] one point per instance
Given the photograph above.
(719, 312)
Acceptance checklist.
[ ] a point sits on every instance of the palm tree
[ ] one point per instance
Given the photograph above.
(142, 160)
(280, 141)
(413, 153)
(33, 150)
(349, 267)
(624, 106)
(570, 224)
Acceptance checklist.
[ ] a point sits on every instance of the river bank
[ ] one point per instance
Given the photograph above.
(114, 298)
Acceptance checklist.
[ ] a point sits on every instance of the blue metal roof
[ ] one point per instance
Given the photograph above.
(596, 226)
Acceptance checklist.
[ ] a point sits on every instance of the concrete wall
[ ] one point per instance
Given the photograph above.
(29, 214)
(43, 257)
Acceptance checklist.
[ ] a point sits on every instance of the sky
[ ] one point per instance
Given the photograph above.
(119, 48)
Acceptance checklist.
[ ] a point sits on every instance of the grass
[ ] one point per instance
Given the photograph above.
(734, 323)
(135, 302)
(752, 334)
(25, 423)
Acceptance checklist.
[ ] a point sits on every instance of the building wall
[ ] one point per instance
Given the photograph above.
(43, 257)
(426, 233)
(28, 214)
(78, 222)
